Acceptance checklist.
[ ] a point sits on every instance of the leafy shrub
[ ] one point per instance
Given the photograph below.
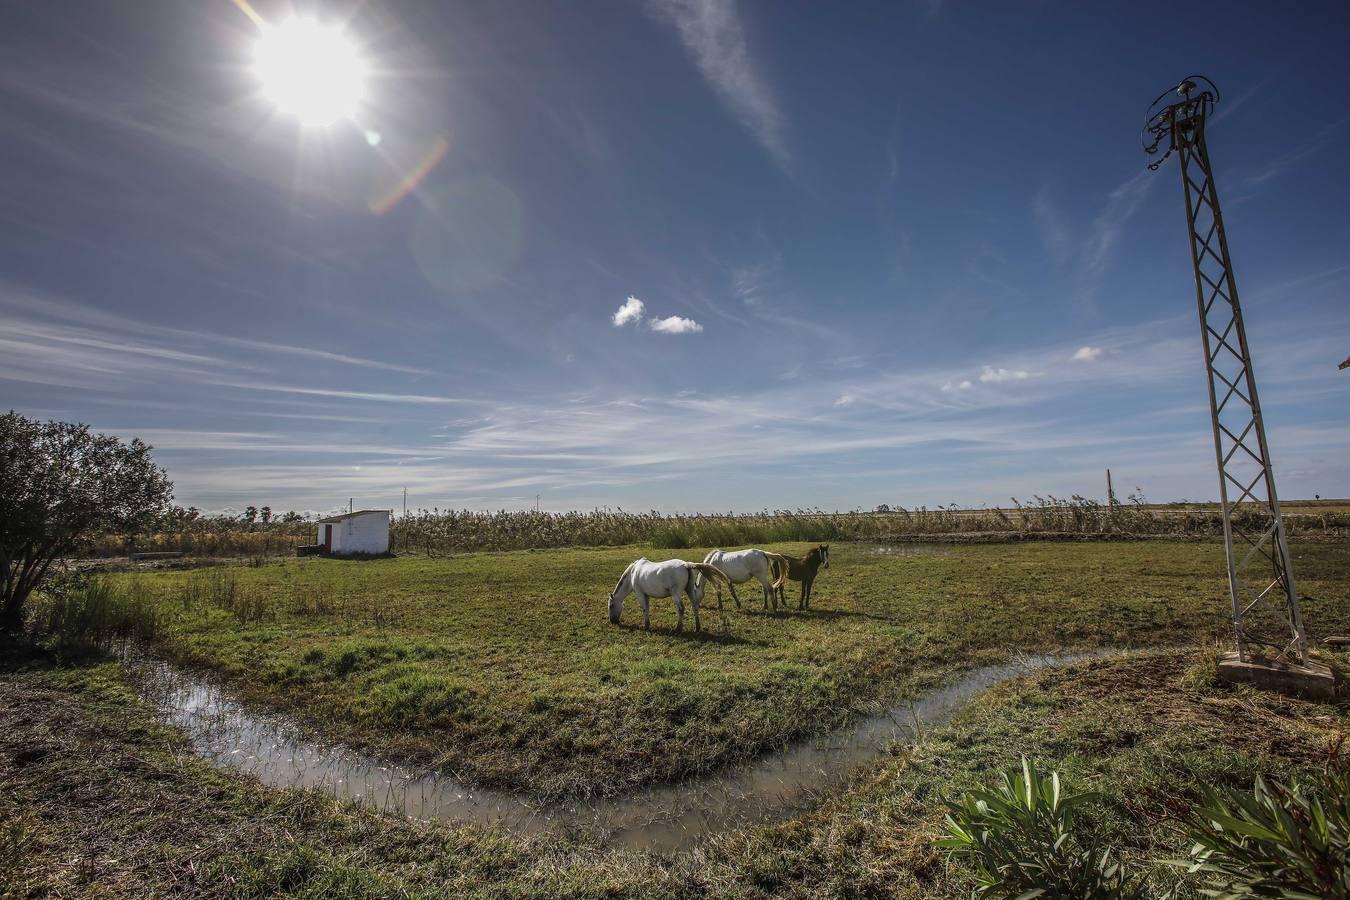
(1278, 841)
(1019, 836)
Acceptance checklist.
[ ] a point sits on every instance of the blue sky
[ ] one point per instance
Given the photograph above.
(890, 252)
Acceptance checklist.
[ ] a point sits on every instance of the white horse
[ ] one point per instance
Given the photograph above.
(739, 566)
(672, 578)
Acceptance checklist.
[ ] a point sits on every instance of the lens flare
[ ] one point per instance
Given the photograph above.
(311, 71)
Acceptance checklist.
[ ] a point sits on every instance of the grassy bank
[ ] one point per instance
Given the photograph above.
(503, 669)
(98, 800)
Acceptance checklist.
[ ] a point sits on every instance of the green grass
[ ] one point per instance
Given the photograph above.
(98, 800)
(504, 669)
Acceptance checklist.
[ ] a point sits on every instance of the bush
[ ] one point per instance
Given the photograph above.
(1020, 838)
(1278, 841)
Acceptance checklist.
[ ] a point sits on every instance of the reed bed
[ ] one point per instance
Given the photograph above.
(439, 532)
(442, 532)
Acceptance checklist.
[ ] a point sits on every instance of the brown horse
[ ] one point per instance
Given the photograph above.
(805, 570)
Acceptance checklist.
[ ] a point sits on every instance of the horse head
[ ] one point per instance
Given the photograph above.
(620, 593)
(824, 552)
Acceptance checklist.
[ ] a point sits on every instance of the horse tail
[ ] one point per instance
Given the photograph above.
(712, 573)
(711, 553)
(778, 568)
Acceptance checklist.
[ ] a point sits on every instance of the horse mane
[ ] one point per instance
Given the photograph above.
(619, 583)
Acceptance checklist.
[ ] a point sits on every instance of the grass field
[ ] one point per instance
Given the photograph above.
(503, 668)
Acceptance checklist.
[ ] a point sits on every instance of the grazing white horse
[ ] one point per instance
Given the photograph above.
(739, 566)
(672, 578)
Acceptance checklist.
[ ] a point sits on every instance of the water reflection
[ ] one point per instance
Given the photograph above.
(669, 817)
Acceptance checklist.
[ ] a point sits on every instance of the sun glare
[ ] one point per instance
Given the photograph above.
(309, 70)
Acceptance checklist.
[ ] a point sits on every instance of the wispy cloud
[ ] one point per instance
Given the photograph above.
(1279, 166)
(1056, 231)
(1087, 354)
(632, 310)
(584, 449)
(675, 325)
(1089, 258)
(991, 375)
(23, 312)
(303, 352)
(374, 396)
(1109, 225)
(714, 35)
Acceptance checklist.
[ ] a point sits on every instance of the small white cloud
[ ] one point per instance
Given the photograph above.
(1087, 354)
(844, 400)
(674, 325)
(990, 375)
(632, 311)
(952, 386)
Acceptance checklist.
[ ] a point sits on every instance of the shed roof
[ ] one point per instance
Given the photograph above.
(350, 515)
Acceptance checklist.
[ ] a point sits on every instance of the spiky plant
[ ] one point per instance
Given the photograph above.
(1020, 839)
(1277, 841)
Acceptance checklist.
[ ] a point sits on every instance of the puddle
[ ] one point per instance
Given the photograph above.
(670, 817)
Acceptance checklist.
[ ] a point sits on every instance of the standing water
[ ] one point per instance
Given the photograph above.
(668, 817)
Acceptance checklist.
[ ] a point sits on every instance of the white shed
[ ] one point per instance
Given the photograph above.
(363, 531)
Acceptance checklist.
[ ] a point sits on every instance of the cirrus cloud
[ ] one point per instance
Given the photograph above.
(990, 375)
(714, 35)
(1087, 354)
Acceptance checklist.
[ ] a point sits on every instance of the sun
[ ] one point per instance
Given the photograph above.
(309, 70)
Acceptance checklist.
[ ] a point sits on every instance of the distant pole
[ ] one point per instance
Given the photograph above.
(536, 503)
(1110, 494)
(405, 503)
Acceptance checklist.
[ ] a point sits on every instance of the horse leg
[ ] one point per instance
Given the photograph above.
(806, 593)
(733, 595)
(698, 625)
(675, 594)
(646, 610)
(767, 589)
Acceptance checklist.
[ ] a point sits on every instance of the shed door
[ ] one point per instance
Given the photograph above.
(328, 538)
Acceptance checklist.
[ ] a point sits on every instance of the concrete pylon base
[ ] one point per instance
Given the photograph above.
(1314, 680)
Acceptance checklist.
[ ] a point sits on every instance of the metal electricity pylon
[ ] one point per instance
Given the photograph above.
(1260, 575)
